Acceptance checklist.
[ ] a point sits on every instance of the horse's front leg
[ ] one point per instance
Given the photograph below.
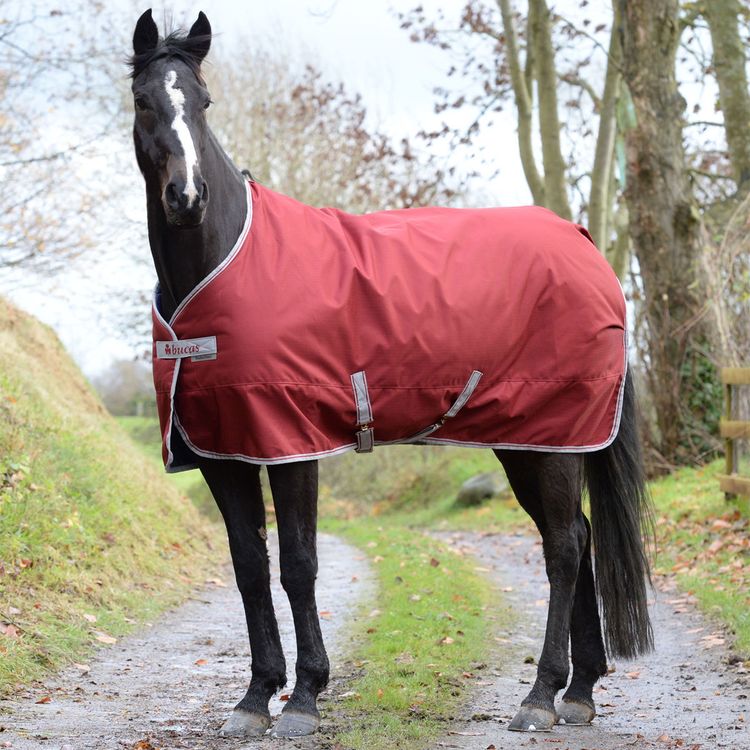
(295, 496)
(236, 489)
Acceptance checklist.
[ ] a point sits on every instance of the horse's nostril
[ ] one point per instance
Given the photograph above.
(172, 196)
(204, 192)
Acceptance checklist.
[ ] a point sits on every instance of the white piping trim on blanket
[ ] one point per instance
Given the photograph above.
(428, 441)
(222, 266)
(173, 386)
(193, 292)
(263, 461)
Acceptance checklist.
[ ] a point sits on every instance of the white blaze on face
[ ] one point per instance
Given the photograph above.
(183, 134)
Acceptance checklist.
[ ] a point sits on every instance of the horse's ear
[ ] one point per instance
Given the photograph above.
(146, 34)
(200, 31)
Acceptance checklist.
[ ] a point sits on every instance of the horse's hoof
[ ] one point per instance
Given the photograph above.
(245, 724)
(532, 719)
(295, 724)
(575, 713)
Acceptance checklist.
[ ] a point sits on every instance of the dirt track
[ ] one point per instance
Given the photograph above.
(173, 685)
(154, 687)
(684, 695)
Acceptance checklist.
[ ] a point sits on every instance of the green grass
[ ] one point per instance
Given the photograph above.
(704, 542)
(92, 537)
(423, 645)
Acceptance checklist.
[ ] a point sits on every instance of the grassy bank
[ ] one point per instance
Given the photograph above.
(144, 432)
(704, 542)
(94, 539)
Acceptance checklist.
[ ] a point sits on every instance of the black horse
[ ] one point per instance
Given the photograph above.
(196, 201)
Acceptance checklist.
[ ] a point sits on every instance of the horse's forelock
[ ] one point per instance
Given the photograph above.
(177, 45)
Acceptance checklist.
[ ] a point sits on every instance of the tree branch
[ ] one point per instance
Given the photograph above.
(522, 94)
(556, 195)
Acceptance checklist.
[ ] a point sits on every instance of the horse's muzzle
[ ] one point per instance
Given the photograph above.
(182, 209)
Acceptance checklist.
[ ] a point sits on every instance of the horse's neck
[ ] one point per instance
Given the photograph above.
(183, 257)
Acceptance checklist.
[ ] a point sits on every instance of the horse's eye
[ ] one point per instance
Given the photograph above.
(207, 104)
(141, 103)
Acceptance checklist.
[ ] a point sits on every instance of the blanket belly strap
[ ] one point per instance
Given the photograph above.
(365, 435)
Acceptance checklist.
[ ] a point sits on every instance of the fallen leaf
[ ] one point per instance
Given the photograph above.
(9, 630)
(633, 675)
(285, 697)
(89, 618)
(325, 614)
(445, 641)
(104, 638)
(82, 667)
(216, 582)
(46, 699)
(200, 662)
(434, 562)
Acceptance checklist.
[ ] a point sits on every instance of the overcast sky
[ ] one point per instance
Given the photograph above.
(356, 41)
(360, 43)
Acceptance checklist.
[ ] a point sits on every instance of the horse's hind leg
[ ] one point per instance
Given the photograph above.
(586, 645)
(236, 489)
(295, 496)
(548, 487)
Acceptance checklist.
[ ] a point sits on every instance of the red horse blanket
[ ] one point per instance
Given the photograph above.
(323, 332)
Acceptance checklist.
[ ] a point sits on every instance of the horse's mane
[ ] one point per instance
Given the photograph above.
(177, 44)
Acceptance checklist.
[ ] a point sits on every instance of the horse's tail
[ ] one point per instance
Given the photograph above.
(620, 517)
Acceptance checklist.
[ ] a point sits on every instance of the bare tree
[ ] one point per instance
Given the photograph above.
(665, 227)
(59, 100)
(729, 63)
(519, 62)
(310, 138)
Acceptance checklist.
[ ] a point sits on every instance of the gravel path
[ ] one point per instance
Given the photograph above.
(172, 685)
(685, 695)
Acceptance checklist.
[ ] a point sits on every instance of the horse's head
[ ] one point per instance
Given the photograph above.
(170, 129)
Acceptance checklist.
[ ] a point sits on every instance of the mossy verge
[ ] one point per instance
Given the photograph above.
(424, 642)
(93, 539)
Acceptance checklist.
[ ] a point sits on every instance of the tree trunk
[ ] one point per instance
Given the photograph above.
(600, 197)
(555, 184)
(729, 64)
(521, 81)
(665, 226)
